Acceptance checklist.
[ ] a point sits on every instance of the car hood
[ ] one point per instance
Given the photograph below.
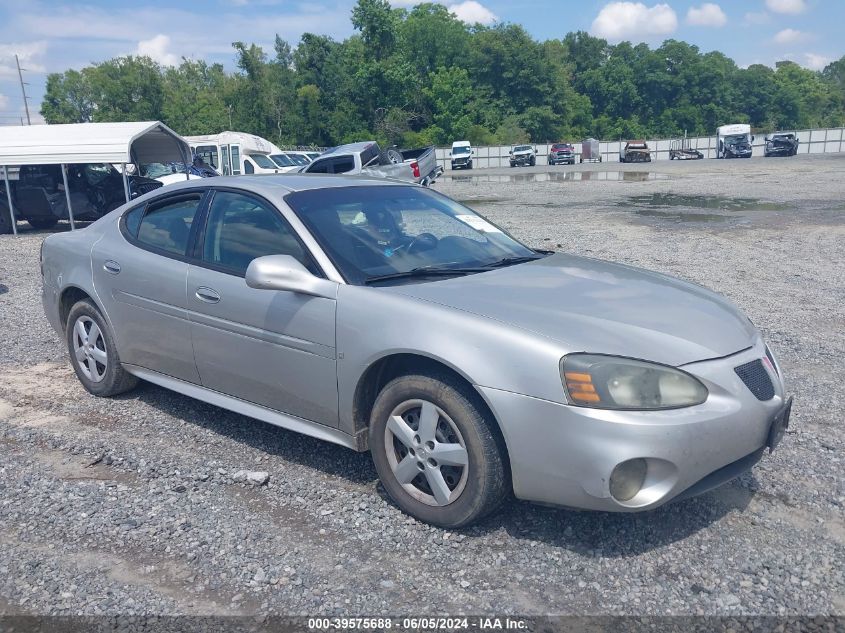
(523, 152)
(600, 307)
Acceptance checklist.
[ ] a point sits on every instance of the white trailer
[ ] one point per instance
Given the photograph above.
(235, 153)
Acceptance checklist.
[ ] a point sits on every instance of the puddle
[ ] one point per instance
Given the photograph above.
(560, 176)
(657, 201)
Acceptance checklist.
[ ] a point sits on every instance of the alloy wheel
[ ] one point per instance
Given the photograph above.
(89, 348)
(426, 452)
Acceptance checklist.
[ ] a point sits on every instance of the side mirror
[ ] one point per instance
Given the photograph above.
(283, 272)
(752, 139)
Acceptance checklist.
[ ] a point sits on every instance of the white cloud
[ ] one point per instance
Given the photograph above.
(156, 48)
(473, 12)
(469, 11)
(4, 101)
(29, 54)
(816, 62)
(634, 20)
(708, 14)
(789, 36)
(786, 6)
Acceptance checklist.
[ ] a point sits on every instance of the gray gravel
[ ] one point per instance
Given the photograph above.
(153, 503)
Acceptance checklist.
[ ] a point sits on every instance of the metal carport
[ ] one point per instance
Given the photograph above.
(83, 143)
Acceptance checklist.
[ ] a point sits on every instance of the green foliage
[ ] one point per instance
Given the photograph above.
(421, 77)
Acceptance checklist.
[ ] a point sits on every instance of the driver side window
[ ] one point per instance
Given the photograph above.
(241, 228)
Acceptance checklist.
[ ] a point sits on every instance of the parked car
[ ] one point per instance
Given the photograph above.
(173, 172)
(39, 197)
(562, 154)
(682, 150)
(295, 154)
(414, 165)
(461, 155)
(734, 141)
(384, 316)
(521, 155)
(781, 144)
(285, 163)
(635, 152)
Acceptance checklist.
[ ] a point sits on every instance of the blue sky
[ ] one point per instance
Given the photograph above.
(51, 35)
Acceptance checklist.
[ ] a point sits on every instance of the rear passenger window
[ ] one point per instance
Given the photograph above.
(133, 219)
(167, 226)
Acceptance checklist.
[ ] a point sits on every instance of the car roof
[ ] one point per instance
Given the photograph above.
(350, 148)
(279, 185)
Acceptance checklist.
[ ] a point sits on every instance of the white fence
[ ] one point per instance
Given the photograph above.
(811, 142)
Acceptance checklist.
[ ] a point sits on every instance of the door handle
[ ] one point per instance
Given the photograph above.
(207, 295)
(111, 266)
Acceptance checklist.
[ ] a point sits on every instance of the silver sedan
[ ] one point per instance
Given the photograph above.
(387, 317)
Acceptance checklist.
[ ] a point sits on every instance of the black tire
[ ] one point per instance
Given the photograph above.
(115, 379)
(469, 165)
(5, 218)
(532, 161)
(486, 482)
(43, 223)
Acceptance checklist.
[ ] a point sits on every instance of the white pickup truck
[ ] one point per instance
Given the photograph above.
(415, 165)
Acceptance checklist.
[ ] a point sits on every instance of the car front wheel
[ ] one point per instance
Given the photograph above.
(93, 353)
(436, 452)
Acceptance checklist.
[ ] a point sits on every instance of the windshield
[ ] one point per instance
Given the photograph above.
(382, 230)
(736, 139)
(521, 148)
(263, 161)
(156, 170)
(282, 160)
(297, 159)
(561, 146)
(460, 150)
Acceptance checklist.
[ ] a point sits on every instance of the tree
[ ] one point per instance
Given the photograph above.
(377, 22)
(423, 76)
(68, 98)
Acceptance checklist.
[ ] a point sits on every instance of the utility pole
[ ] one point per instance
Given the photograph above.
(23, 92)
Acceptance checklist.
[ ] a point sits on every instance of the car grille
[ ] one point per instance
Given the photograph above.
(756, 378)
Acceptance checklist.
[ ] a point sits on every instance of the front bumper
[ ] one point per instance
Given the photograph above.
(564, 455)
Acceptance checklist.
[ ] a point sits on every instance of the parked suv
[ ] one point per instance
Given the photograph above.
(562, 154)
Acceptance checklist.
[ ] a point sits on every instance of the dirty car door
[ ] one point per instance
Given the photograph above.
(272, 348)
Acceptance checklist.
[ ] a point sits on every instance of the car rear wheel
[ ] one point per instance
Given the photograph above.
(436, 452)
(93, 353)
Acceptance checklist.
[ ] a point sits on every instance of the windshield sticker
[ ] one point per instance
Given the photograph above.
(479, 224)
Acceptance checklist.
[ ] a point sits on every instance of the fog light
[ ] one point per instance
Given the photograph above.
(627, 479)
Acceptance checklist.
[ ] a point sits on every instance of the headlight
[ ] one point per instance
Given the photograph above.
(610, 382)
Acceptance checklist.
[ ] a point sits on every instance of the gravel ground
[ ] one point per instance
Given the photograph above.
(132, 505)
